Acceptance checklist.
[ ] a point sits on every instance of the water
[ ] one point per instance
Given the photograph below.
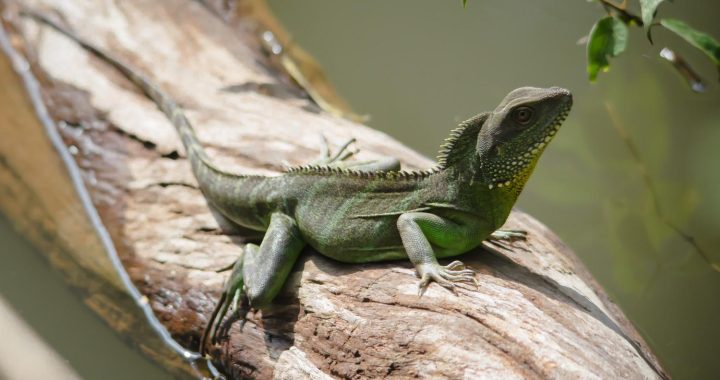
(419, 67)
(40, 296)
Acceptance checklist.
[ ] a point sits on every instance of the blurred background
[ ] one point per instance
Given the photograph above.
(420, 67)
(417, 68)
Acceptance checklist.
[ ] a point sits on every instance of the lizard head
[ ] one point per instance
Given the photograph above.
(515, 134)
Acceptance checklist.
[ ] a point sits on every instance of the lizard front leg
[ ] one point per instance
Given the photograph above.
(261, 271)
(419, 231)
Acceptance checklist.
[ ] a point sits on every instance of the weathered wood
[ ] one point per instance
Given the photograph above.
(537, 313)
(37, 195)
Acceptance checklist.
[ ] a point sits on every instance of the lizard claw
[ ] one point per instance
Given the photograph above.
(445, 276)
(209, 331)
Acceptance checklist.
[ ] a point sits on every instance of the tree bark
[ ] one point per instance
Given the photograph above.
(536, 314)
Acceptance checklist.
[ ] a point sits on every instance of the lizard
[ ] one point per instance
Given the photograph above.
(370, 212)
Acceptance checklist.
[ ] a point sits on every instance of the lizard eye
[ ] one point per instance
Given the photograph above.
(523, 115)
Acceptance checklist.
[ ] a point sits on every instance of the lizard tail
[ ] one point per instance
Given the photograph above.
(200, 161)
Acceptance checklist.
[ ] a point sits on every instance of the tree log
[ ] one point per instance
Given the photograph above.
(537, 313)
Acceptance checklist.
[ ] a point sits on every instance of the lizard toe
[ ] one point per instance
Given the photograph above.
(460, 278)
(444, 277)
(455, 265)
(442, 281)
(423, 284)
(508, 235)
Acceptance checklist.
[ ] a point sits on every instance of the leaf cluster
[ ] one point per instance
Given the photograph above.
(609, 36)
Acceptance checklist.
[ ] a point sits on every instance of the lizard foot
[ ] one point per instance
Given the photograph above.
(228, 299)
(346, 150)
(445, 276)
(343, 153)
(508, 235)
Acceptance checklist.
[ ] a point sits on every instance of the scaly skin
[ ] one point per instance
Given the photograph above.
(374, 213)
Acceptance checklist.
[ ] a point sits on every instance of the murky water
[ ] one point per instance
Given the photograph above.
(40, 296)
(419, 67)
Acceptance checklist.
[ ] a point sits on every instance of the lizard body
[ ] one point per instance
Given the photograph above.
(358, 215)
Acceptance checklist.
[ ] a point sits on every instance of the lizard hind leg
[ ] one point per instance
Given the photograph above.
(338, 160)
(260, 273)
(231, 292)
(265, 269)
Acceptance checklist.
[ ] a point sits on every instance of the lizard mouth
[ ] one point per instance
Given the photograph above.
(553, 127)
(550, 130)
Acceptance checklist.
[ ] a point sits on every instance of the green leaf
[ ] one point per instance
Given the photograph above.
(464, 3)
(648, 8)
(608, 38)
(706, 43)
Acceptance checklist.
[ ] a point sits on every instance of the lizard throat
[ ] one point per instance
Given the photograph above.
(512, 172)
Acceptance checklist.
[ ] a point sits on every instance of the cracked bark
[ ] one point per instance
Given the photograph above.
(537, 313)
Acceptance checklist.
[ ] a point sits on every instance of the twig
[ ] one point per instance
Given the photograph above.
(621, 11)
(650, 185)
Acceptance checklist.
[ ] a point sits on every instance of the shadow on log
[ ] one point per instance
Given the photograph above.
(537, 313)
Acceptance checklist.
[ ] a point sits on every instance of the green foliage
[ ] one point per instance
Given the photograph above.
(596, 62)
(648, 9)
(694, 37)
(608, 38)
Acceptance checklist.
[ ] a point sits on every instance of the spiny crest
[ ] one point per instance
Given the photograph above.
(448, 145)
(461, 139)
(330, 170)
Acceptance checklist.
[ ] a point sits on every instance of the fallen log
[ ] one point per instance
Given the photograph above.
(536, 314)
